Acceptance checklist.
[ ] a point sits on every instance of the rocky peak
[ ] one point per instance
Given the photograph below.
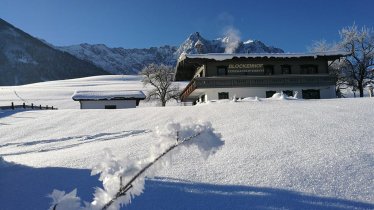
(131, 61)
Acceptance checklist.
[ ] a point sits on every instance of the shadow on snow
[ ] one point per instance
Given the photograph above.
(169, 194)
(10, 112)
(23, 187)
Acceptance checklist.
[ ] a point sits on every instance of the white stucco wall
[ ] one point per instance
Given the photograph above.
(212, 94)
(120, 104)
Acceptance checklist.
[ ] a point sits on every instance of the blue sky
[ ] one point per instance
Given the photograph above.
(289, 24)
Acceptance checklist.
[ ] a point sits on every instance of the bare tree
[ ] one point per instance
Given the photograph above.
(322, 46)
(360, 45)
(160, 77)
(353, 70)
(334, 67)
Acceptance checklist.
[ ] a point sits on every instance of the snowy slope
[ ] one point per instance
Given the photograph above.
(278, 154)
(58, 93)
(131, 61)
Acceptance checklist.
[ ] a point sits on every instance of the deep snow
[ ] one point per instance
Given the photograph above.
(278, 154)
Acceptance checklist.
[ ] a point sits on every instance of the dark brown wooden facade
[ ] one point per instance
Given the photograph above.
(209, 71)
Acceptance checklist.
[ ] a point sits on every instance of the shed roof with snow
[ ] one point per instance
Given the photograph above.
(108, 95)
(108, 99)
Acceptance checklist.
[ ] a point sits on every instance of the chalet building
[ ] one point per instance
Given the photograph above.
(224, 76)
(108, 99)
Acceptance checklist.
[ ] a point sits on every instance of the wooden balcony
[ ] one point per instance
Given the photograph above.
(188, 89)
(258, 81)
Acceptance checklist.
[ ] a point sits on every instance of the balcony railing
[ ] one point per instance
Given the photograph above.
(258, 81)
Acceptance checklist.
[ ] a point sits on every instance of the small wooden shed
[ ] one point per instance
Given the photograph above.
(108, 99)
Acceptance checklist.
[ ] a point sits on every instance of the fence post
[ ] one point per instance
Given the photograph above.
(40, 106)
(32, 106)
(24, 105)
(12, 105)
(52, 108)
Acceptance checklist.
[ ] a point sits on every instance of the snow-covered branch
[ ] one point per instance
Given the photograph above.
(124, 179)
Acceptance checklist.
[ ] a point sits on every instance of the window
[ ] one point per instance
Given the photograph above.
(288, 92)
(221, 70)
(223, 95)
(286, 69)
(311, 94)
(110, 107)
(309, 69)
(270, 93)
(269, 70)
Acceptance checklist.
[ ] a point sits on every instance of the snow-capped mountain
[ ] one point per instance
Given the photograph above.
(131, 61)
(196, 44)
(120, 60)
(25, 59)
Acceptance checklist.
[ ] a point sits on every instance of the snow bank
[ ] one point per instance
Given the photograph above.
(282, 96)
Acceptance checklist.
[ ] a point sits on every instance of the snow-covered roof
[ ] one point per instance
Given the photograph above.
(108, 95)
(226, 56)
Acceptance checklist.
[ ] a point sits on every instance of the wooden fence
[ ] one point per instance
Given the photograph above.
(25, 106)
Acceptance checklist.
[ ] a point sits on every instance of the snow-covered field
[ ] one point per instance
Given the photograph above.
(278, 154)
(58, 93)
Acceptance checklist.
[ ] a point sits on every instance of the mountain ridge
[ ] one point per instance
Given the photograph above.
(119, 60)
(25, 59)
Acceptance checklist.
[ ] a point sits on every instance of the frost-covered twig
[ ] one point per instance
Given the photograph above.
(123, 190)
(124, 179)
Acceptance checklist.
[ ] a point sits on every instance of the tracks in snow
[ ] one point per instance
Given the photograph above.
(65, 142)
